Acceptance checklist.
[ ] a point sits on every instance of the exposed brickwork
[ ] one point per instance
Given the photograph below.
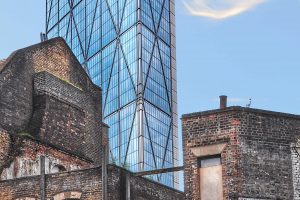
(50, 96)
(17, 188)
(51, 140)
(208, 130)
(5, 144)
(140, 188)
(146, 189)
(88, 183)
(27, 162)
(295, 151)
(257, 159)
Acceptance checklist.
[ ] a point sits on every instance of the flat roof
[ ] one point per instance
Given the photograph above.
(240, 109)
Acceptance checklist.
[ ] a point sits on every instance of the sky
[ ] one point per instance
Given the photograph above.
(240, 48)
(254, 54)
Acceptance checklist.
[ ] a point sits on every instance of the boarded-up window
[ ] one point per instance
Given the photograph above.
(210, 172)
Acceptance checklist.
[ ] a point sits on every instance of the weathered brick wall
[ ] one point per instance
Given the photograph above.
(257, 159)
(5, 147)
(114, 188)
(265, 140)
(295, 154)
(48, 96)
(119, 180)
(141, 188)
(23, 187)
(63, 109)
(87, 182)
(206, 130)
(60, 124)
(16, 82)
(27, 162)
(7, 150)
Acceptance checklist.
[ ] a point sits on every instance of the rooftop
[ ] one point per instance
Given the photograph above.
(240, 109)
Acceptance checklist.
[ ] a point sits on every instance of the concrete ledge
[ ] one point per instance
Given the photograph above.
(208, 150)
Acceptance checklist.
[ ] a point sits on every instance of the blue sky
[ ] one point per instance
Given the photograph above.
(254, 54)
(233, 47)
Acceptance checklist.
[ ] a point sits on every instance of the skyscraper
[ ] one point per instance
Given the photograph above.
(128, 48)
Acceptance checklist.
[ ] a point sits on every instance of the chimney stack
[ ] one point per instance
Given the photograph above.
(223, 101)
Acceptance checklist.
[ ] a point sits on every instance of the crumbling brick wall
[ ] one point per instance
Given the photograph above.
(27, 161)
(256, 161)
(122, 183)
(5, 145)
(295, 154)
(87, 182)
(40, 80)
(266, 165)
(55, 107)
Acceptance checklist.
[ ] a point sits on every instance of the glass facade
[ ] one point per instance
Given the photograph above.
(128, 48)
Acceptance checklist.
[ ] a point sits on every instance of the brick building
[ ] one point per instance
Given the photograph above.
(241, 153)
(53, 144)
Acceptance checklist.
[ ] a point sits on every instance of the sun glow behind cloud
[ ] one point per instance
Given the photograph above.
(219, 9)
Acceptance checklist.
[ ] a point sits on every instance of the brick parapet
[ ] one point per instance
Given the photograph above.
(240, 109)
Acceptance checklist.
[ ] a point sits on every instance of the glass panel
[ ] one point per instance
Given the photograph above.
(103, 35)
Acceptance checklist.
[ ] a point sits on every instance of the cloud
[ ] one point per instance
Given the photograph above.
(219, 9)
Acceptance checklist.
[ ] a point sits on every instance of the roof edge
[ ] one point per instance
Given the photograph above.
(47, 42)
(240, 109)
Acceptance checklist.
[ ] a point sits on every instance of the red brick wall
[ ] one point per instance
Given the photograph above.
(88, 182)
(26, 161)
(50, 70)
(257, 159)
(206, 130)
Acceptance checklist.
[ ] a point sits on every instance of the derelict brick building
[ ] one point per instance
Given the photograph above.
(241, 153)
(53, 144)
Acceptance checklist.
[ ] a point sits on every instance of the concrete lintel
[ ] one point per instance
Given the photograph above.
(208, 150)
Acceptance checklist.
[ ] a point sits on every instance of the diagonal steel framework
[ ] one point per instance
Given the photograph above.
(137, 93)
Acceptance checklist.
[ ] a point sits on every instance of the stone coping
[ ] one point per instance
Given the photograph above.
(240, 109)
